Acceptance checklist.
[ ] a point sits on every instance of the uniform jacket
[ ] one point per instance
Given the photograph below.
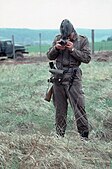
(67, 58)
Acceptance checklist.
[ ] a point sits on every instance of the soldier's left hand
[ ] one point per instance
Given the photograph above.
(69, 45)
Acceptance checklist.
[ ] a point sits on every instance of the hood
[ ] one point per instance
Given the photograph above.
(66, 28)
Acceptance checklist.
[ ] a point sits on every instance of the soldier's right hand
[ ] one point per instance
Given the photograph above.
(58, 46)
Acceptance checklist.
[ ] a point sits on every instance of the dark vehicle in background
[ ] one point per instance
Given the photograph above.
(7, 49)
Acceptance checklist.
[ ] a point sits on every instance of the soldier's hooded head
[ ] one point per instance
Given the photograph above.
(66, 28)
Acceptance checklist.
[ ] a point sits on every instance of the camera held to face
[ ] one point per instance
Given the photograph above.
(63, 42)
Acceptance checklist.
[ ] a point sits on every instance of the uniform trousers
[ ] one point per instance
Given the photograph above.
(62, 95)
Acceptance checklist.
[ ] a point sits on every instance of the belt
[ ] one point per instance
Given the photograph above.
(69, 70)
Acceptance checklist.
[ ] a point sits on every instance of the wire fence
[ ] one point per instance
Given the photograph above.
(95, 44)
(102, 46)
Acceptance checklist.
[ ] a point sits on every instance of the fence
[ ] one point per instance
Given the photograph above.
(99, 46)
(102, 45)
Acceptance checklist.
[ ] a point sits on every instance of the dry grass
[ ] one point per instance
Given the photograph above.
(38, 151)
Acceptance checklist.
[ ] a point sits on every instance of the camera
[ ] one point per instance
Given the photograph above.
(63, 42)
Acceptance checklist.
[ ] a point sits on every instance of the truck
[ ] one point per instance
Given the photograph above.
(7, 49)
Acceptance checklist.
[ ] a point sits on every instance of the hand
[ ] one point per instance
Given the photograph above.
(58, 46)
(69, 45)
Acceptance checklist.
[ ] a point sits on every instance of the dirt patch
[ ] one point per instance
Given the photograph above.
(25, 60)
(103, 56)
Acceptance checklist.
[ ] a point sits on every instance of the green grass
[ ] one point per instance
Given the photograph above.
(98, 87)
(27, 121)
(37, 49)
(104, 45)
(23, 88)
(99, 46)
(22, 94)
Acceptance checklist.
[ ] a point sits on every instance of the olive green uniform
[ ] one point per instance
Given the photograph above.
(70, 87)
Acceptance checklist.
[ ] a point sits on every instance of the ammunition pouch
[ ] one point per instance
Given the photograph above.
(57, 76)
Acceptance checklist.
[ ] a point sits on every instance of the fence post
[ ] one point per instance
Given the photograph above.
(40, 43)
(92, 36)
(13, 46)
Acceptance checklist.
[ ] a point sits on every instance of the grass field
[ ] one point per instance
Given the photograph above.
(99, 46)
(37, 49)
(104, 45)
(27, 126)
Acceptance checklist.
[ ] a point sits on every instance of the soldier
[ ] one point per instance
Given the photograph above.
(69, 50)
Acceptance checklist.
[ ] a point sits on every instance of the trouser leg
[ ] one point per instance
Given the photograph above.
(61, 105)
(76, 98)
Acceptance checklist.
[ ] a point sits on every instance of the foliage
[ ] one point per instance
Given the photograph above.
(31, 36)
(109, 38)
